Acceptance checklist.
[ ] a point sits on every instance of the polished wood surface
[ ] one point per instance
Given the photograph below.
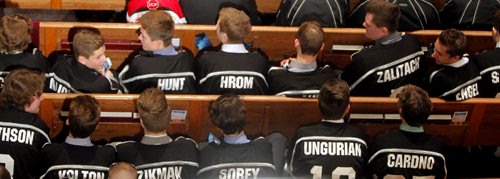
(266, 114)
(276, 42)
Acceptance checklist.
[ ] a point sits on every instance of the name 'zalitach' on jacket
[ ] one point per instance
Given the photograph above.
(385, 66)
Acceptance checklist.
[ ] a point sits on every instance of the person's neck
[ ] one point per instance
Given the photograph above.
(161, 47)
(236, 134)
(306, 59)
(148, 133)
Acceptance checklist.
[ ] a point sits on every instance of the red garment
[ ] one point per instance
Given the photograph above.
(136, 8)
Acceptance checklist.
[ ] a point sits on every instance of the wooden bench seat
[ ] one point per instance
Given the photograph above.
(276, 42)
(267, 114)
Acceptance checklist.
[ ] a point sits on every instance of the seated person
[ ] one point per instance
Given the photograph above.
(205, 12)
(415, 15)
(86, 71)
(159, 64)
(457, 78)
(122, 170)
(409, 152)
(15, 51)
(20, 100)
(301, 77)
(489, 63)
(137, 8)
(395, 60)
(236, 153)
(329, 13)
(469, 14)
(4, 173)
(77, 156)
(233, 69)
(306, 161)
(157, 150)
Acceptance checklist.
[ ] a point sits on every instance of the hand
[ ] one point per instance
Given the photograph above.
(285, 62)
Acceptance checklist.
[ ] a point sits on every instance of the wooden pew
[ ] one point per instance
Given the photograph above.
(267, 114)
(276, 42)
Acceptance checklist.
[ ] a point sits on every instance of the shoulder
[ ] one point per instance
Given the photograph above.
(276, 70)
(185, 142)
(53, 149)
(125, 145)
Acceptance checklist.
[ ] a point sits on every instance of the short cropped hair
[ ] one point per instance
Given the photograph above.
(19, 88)
(415, 105)
(235, 23)
(122, 170)
(454, 40)
(310, 36)
(228, 113)
(86, 42)
(333, 99)
(153, 110)
(84, 114)
(159, 25)
(15, 33)
(385, 14)
(496, 20)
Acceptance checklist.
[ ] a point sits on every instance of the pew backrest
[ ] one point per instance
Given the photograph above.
(471, 122)
(276, 42)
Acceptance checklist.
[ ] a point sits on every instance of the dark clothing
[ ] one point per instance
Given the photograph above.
(342, 151)
(174, 74)
(75, 161)
(489, 66)
(407, 154)
(330, 13)
(70, 76)
(294, 82)
(33, 60)
(415, 15)
(22, 136)
(469, 14)
(206, 12)
(253, 159)
(235, 73)
(377, 70)
(455, 83)
(179, 158)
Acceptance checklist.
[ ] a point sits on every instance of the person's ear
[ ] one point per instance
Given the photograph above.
(82, 59)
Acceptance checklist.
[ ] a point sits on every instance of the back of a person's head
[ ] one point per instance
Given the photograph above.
(310, 36)
(4, 173)
(454, 40)
(228, 113)
(153, 110)
(83, 116)
(159, 25)
(496, 20)
(235, 23)
(20, 87)
(333, 99)
(385, 14)
(122, 170)
(86, 41)
(15, 33)
(414, 104)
